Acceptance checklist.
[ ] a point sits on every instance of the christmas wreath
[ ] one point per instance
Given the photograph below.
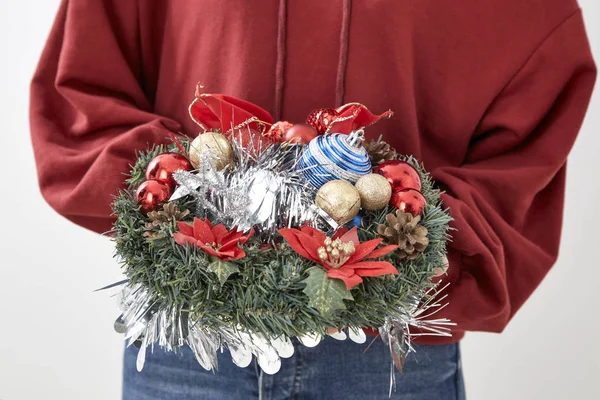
(258, 231)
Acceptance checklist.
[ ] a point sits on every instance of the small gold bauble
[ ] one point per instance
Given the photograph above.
(214, 145)
(340, 200)
(375, 191)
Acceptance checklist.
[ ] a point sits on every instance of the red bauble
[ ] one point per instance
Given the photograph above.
(151, 193)
(300, 133)
(401, 175)
(321, 119)
(409, 200)
(162, 167)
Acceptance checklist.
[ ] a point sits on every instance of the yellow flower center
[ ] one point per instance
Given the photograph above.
(335, 252)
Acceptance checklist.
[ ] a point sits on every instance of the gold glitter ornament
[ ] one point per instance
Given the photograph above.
(375, 191)
(211, 144)
(340, 200)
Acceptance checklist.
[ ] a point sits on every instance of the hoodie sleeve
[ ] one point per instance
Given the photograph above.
(88, 111)
(507, 197)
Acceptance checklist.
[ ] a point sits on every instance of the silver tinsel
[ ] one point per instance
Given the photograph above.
(263, 190)
(396, 332)
(147, 324)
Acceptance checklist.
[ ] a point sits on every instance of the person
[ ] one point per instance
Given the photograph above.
(489, 95)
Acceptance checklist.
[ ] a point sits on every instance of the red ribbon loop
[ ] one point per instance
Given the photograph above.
(230, 114)
(219, 111)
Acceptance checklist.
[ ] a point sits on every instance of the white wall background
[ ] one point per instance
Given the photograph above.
(56, 337)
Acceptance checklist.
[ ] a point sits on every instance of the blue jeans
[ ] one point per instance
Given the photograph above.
(332, 370)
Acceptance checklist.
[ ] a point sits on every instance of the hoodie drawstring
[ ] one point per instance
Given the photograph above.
(340, 80)
(280, 63)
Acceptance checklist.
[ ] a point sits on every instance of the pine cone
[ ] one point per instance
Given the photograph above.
(379, 152)
(164, 216)
(404, 230)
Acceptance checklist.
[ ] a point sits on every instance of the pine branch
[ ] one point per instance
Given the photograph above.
(266, 293)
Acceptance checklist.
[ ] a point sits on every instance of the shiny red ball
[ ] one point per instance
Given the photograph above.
(409, 200)
(162, 167)
(151, 193)
(401, 175)
(321, 119)
(300, 133)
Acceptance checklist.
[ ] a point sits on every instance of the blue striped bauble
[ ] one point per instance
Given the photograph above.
(335, 156)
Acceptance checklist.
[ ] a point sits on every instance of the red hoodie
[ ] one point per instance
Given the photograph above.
(489, 95)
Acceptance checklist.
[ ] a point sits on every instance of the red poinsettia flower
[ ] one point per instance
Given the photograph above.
(215, 241)
(342, 255)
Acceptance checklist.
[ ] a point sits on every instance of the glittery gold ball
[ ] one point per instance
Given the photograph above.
(339, 199)
(213, 145)
(375, 191)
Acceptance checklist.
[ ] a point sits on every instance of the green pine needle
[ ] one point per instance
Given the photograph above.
(265, 291)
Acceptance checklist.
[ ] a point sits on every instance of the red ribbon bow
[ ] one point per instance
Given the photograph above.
(219, 111)
(230, 114)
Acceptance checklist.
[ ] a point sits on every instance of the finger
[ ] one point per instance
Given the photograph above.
(442, 269)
